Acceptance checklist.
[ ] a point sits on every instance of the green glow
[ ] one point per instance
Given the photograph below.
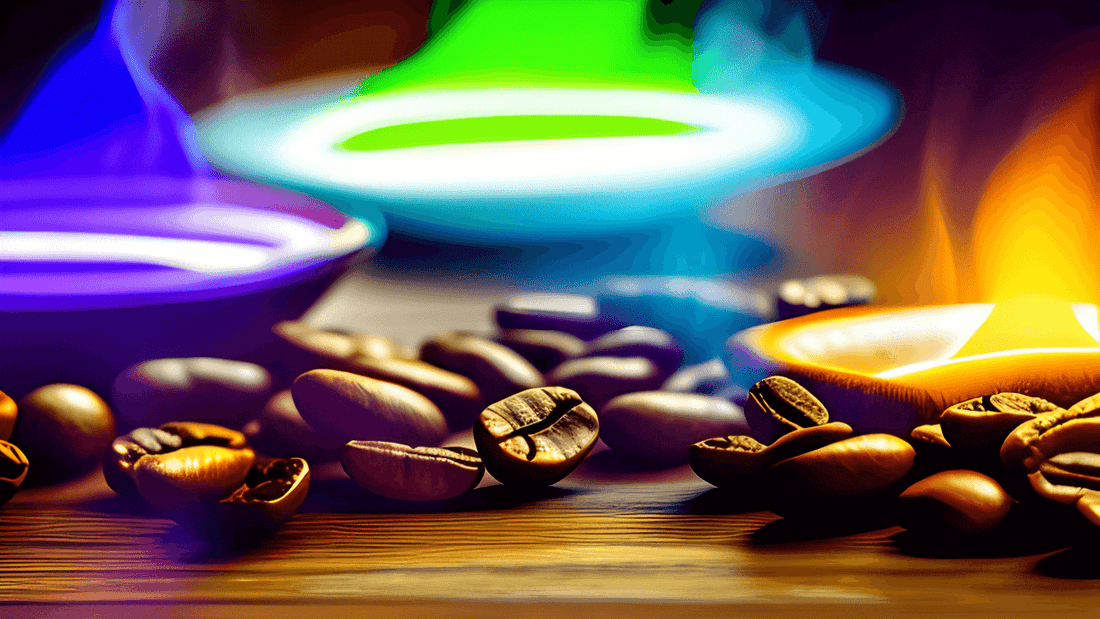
(510, 128)
(645, 44)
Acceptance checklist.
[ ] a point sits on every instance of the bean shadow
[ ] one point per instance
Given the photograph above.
(335, 496)
(120, 506)
(719, 502)
(1075, 563)
(801, 529)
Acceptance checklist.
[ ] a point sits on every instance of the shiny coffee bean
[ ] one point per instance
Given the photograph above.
(856, 466)
(497, 370)
(202, 389)
(653, 344)
(707, 378)
(412, 474)
(213, 460)
(799, 297)
(661, 427)
(351, 407)
(537, 437)
(777, 405)
(300, 347)
(601, 379)
(8, 411)
(740, 461)
(13, 470)
(572, 313)
(457, 397)
(953, 502)
(374, 346)
(985, 422)
(64, 430)
(281, 432)
(544, 349)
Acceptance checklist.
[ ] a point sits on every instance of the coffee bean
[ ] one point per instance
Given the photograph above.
(799, 297)
(544, 349)
(8, 411)
(281, 432)
(984, 423)
(954, 502)
(856, 466)
(64, 429)
(497, 370)
(601, 379)
(709, 378)
(661, 427)
(300, 347)
(740, 461)
(777, 405)
(537, 437)
(13, 470)
(412, 474)
(351, 407)
(201, 389)
(457, 397)
(572, 313)
(653, 344)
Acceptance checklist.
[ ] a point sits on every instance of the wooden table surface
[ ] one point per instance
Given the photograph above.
(608, 541)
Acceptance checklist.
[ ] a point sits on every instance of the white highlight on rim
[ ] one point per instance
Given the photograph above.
(280, 239)
(917, 367)
(732, 132)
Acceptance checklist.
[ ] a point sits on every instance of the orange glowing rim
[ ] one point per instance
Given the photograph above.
(891, 369)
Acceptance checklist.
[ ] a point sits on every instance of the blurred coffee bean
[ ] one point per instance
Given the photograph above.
(537, 437)
(497, 370)
(412, 474)
(202, 389)
(740, 461)
(653, 344)
(700, 312)
(456, 396)
(13, 470)
(300, 347)
(776, 405)
(8, 411)
(799, 297)
(544, 349)
(734, 393)
(281, 432)
(572, 313)
(856, 466)
(661, 427)
(985, 422)
(64, 430)
(707, 378)
(600, 379)
(953, 502)
(351, 407)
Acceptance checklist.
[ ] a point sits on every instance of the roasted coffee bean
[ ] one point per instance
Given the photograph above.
(281, 432)
(935, 454)
(412, 474)
(351, 407)
(601, 379)
(661, 427)
(740, 461)
(13, 470)
(270, 494)
(544, 349)
(799, 297)
(954, 502)
(457, 397)
(985, 422)
(64, 429)
(572, 313)
(856, 466)
(213, 460)
(777, 405)
(537, 437)
(8, 411)
(653, 344)
(300, 347)
(709, 378)
(199, 389)
(374, 346)
(497, 370)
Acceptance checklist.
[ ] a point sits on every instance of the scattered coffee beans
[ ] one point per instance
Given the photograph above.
(572, 313)
(200, 389)
(412, 474)
(456, 396)
(536, 437)
(954, 502)
(351, 407)
(544, 349)
(799, 297)
(777, 405)
(497, 370)
(281, 432)
(600, 379)
(13, 470)
(661, 427)
(740, 461)
(64, 429)
(653, 344)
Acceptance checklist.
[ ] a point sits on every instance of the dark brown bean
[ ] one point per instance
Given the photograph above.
(201, 389)
(544, 349)
(281, 432)
(601, 379)
(351, 407)
(953, 502)
(653, 344)
(574, 314)
(13, 470)
(64, 429)
(300, 347)
(984, 423)
(661, 427)
(412, 474)
(740, 461)
(497, 370)
(457, 397)
(536, 437)
(852, 467)
(777, 405)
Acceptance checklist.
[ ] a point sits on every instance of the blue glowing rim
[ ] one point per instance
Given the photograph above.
(803, 122)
